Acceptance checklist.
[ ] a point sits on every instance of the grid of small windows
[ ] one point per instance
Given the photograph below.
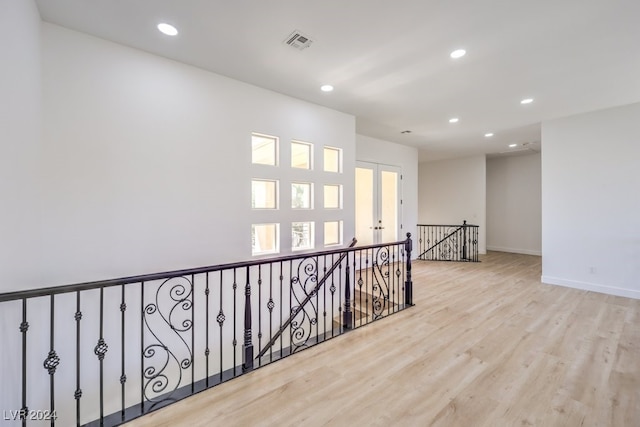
(265, 195)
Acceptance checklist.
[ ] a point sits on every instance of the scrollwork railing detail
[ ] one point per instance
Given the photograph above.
(380, 289)
(168, 320)
(303, 285)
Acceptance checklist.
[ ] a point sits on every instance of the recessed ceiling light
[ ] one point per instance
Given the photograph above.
(167, 29)
(526, 101)
(488, 135)
(513, 145)
(326, 88)
(458, 53)
(454, 120)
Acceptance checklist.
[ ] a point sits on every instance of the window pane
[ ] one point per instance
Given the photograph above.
(332, 199)
(301, 195)
(264, 239)
(264, 149)
(331, 159)
(264, 194)
(332, 233)
(300, 155)
(302, 235)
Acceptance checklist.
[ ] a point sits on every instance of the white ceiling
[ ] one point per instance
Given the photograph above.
(389, 60)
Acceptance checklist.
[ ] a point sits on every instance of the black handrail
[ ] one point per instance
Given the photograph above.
(54, 290)
(300, 307)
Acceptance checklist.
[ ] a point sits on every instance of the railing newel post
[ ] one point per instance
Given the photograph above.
(408, 286)
(464, 240)
(247, 347)
(347, 314)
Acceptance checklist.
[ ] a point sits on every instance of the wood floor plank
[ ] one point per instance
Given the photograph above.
(485, 345)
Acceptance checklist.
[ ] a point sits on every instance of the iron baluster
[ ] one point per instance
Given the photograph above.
(366, 294)
(360, 283)
(247, 348)
(123, 376)
(142, 347)
(332, 290)
(206, 327)
(317, 304)
(347, 314)
(100, 351)
(235, 313)
(389, 281)
(270, 306)
(259, 311)
(408, 286)
(52, 361)
(193, 337)
(281, 304)
(24, 327)
(324, 301)
(78, 392)
(220, 319)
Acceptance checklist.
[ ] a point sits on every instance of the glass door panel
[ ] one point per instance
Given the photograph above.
(378, 195)
(365, 208)
(389, 196)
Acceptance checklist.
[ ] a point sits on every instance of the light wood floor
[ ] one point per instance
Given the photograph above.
(485, 345)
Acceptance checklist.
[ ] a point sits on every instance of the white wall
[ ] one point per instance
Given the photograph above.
(20, 126)
(148, 161)
(388, 153)
(591, 201)
(514, 211)
(451, 191)
(20, 120)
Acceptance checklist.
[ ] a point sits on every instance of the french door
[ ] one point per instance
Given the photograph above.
(378, 203)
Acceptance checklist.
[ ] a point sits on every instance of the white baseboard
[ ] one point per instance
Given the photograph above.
(514, 250)
(594, 287)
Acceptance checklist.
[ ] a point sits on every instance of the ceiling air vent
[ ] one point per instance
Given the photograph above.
(298, 40)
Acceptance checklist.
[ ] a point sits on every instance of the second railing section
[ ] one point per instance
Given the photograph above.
(102, 353)
(448, 242)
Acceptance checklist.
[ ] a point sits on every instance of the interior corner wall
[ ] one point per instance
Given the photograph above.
(451, 191)
(514, 204)
(388, 153)
(590, 202)
(20, 126)
(148, 161)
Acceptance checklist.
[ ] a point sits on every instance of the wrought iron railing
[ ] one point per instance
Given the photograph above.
(103, 353)
(448, 242)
